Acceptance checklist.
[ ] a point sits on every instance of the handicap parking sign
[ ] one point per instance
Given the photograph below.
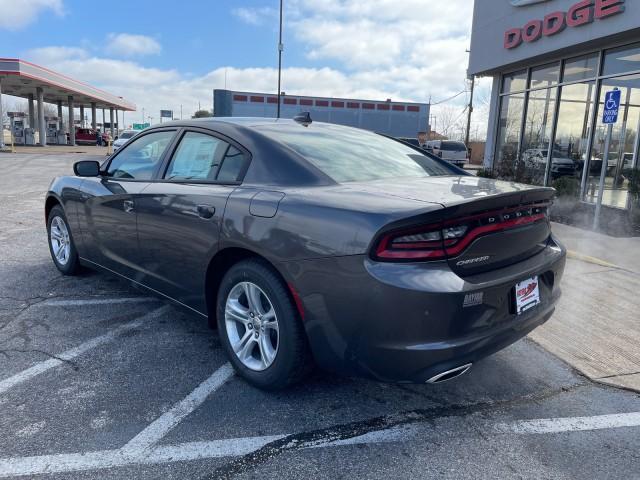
(611, 107)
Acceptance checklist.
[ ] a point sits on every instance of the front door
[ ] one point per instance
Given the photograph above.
(109, 206)
(179, 217)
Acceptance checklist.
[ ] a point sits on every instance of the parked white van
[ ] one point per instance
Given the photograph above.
(452, 151)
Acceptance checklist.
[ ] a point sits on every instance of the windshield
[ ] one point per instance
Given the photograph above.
(126, 135)
(352, 155)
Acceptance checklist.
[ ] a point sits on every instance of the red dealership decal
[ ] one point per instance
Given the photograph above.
(582, 13)
(524, 293)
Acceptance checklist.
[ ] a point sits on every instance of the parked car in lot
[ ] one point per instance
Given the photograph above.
(88, 136)
(535, 160)
(452, 151)
(309, 242)
(123, 138)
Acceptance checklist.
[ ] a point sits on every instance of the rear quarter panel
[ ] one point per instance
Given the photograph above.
(312, 222)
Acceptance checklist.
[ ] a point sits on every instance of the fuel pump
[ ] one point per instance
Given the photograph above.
(52, 129)
(17, 120)
(29, 136)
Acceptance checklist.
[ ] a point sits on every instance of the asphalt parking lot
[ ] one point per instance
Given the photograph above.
(100, 380)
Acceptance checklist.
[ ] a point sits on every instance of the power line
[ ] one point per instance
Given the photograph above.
(451, 98)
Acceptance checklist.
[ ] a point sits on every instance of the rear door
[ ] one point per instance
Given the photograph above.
(109, 204)
(179, 215)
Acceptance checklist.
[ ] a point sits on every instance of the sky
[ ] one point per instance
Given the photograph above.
(161, 55)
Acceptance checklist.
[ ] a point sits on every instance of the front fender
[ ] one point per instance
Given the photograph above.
(67, 192)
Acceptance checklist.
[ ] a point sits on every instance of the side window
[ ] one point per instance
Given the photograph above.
(232, 165)
(139, 159)
(196, 158)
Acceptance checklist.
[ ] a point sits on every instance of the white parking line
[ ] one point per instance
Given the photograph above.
(160, 427)
(76, 462)
(93, 301)
(190, 451)
(575, 424)
(72, 353)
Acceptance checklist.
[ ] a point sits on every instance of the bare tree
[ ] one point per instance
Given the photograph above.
(451, 121)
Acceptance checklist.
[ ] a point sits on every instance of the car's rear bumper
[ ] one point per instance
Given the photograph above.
(408, 322)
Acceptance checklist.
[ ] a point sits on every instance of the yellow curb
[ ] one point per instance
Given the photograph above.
(594, 260)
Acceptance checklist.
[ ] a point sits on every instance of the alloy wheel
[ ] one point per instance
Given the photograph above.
(252, 326)
(60, 241)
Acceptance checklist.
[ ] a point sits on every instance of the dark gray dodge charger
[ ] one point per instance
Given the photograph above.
(315, 243)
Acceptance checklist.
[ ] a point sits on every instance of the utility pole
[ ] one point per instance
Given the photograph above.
(434, 121)
(280, 49)
(470, 111)
(180, 111)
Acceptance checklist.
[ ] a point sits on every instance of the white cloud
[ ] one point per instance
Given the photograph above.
(129, 45)
(255, 16)
(410, 50)
(17, 14)
(49, 55)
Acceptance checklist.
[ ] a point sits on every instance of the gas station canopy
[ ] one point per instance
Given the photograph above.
(21, 78)
(33, 82)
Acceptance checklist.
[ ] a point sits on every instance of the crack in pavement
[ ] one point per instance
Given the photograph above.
(71, 363)
(617, 375)
(298, 441)
(30, 302)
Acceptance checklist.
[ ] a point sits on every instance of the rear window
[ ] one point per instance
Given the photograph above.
(351, 155)
(126, 135)
(453, 147)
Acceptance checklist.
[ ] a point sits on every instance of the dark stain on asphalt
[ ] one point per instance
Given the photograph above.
(246, 463)
(120, 319)
(134, 332)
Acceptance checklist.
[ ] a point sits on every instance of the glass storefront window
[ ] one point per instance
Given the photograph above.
(580, 68)
(545, 76)
(573, 126)
(545, 123)
(623, 143)
(507, 146)
(514, 82)
(537, 137)
(622, 60)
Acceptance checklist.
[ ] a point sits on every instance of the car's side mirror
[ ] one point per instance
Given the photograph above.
(86, 168)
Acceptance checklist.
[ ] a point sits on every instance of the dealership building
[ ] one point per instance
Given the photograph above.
(552, 62)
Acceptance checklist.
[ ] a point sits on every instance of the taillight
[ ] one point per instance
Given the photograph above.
(452, 237)
(423, 243)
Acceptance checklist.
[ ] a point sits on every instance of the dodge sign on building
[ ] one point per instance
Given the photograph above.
(552, 62)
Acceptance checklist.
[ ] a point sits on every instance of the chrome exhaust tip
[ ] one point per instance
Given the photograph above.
(450, 374)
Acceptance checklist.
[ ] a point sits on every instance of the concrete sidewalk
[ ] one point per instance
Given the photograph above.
(621, 252)
(596, 328)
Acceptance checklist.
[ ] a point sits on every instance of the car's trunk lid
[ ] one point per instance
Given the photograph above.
(505, 222)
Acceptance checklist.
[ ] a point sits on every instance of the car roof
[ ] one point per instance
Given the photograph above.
(240, 121)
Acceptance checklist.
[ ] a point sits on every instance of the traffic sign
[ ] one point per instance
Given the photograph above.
(140, 126)
(611, 107)
(609, 117)
(166, 113)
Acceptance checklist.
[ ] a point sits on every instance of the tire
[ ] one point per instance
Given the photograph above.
(59, 236)
(262, 361)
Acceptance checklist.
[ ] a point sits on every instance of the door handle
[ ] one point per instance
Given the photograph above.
(206, 211)
(128, 206)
